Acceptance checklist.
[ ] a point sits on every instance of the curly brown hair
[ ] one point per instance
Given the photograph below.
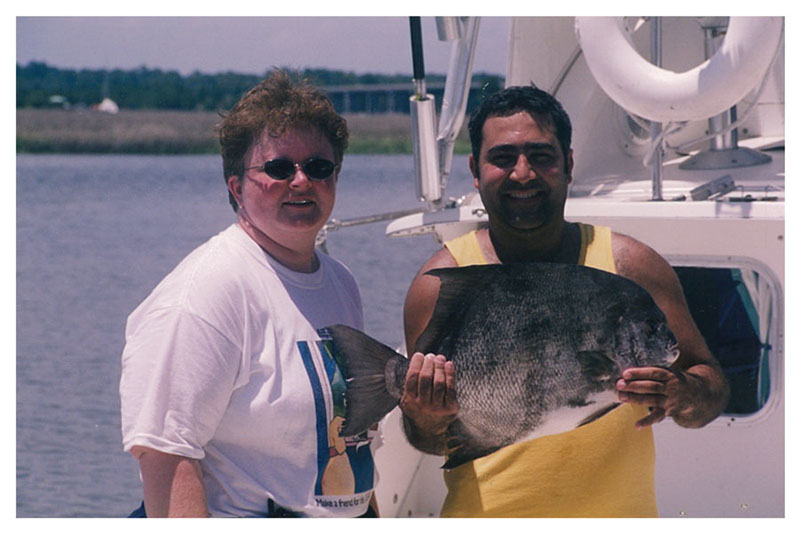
(279, 102)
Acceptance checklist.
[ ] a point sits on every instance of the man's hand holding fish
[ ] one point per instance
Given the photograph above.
(429, 399)
(667, 393)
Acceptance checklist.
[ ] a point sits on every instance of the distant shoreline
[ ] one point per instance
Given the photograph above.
(180, 132)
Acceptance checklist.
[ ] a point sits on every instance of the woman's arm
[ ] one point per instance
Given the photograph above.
(173, 485)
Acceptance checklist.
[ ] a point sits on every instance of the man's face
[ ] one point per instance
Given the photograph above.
(521, 174)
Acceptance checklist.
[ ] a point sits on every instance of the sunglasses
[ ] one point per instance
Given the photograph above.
(282, 169)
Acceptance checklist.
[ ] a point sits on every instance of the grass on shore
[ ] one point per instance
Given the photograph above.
(181, 132)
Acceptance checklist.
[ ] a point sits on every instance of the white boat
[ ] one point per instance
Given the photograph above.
(711, 203)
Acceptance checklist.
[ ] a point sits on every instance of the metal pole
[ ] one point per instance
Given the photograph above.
(655, 127)
(423, 125)
(711, 34)
(417, 58)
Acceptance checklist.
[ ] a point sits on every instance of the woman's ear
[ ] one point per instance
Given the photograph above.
(235, 188)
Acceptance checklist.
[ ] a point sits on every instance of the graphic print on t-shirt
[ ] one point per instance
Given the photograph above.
(344, 465)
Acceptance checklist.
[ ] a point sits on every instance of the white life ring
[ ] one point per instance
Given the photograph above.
(662, 95)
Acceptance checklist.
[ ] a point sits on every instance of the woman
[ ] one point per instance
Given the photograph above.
(231, 398)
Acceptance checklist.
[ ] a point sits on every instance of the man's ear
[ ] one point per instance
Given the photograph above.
(570, 164)
(473, 168)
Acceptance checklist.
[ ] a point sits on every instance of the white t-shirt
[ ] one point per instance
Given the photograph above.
(223, 363)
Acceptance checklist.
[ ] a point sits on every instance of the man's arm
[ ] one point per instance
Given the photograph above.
(173, 485)
(428, 403)
(694, 391)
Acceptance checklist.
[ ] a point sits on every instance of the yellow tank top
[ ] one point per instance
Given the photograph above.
(602, 469)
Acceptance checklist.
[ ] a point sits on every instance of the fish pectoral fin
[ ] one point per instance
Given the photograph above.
(596, 365)
(597, 414)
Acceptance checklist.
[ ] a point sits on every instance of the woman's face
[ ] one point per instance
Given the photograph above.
(290, 211)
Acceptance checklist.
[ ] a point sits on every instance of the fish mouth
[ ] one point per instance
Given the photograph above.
(672, 353)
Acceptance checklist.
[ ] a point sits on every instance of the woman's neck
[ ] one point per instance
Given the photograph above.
(300, 256)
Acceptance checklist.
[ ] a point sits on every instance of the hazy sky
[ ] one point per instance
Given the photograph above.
(246, 44)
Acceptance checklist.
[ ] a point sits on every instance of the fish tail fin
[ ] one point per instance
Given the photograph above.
(374, 374)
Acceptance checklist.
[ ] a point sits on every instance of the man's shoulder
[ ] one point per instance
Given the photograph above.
(630, 249)
(427, 286)
(636, 260)
(443, 258)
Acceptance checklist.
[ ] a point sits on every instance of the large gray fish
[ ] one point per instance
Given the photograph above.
(537, 349)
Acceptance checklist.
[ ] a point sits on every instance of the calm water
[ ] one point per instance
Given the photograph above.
(94, 236)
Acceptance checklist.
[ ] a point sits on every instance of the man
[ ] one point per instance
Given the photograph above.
(522, 164)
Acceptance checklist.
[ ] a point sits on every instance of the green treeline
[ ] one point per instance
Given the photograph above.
(163, 112)
(40, 85)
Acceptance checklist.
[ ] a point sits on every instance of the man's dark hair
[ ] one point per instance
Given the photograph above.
(540, 105)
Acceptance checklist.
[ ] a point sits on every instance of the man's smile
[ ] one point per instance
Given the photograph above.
(524, 195)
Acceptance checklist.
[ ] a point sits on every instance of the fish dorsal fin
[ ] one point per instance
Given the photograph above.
(458, 287)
